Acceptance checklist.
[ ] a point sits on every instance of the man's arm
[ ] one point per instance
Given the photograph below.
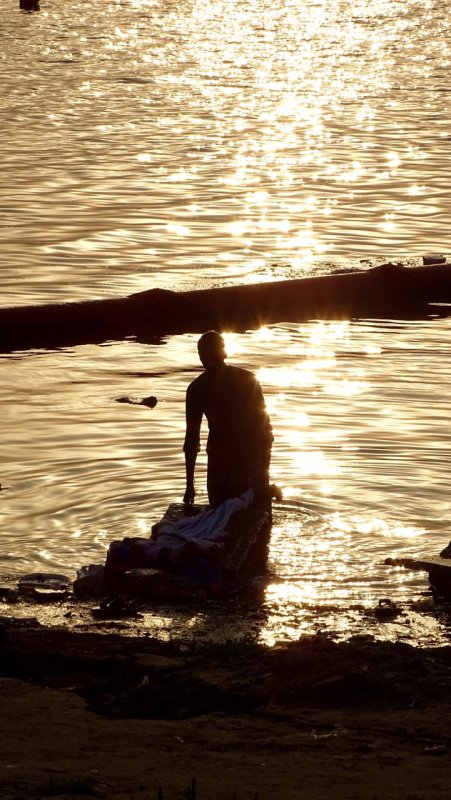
(190, 465)
(263, 439)
(263, 427)
(191, 445)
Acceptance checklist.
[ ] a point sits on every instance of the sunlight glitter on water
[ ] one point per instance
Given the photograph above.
(190, 144)
(199, 133)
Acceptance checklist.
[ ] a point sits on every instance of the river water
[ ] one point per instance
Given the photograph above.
(148, 143)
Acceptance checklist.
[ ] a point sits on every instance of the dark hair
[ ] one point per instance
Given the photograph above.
(211, 341)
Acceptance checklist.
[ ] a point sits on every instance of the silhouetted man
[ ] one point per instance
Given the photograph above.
(240, 434)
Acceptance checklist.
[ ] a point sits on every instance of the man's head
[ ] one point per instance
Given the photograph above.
(211, 350)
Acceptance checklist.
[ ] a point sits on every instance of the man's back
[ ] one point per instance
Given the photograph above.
(233, 403)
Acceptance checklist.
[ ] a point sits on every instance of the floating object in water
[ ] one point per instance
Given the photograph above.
(150, 401)
(386, 609)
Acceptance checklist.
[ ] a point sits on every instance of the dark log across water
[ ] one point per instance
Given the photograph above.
(389, 291)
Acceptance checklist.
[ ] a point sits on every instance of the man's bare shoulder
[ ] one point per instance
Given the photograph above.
(242, 375)
(197, 384)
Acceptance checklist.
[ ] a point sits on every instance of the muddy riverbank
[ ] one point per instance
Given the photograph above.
(108, 715)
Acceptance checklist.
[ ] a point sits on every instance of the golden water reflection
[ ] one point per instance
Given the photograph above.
(196, 144)
(201, 133)
(314, 601)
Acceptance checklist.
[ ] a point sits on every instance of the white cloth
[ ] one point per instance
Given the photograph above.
(206, 527)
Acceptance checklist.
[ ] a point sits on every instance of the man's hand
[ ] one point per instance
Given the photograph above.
(190, 493)
(190, 464)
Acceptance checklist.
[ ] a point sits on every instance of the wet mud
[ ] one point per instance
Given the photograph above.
(114, 714)
(148, 678)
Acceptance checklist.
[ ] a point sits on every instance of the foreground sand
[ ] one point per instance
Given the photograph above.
(100, 715)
